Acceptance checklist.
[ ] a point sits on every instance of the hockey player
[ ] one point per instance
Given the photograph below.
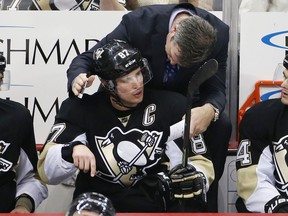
(117, 138)
(20, 189)
(175, 53)
(262, 155)
(91, 204)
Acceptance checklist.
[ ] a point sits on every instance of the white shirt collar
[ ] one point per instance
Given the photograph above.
(176, 12)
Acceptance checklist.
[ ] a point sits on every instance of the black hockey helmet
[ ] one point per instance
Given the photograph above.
(91, 202)
(285, 62)
(2, 63)
(117, 58)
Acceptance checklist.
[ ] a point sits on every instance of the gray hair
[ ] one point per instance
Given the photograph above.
(195, 38)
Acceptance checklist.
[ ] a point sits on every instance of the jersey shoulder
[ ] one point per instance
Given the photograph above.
(170, 105)
(14, 110)
(265, 109)
(261, 116)
(165, 97)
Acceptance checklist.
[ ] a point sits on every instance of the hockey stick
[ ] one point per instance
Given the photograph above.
(207, 70)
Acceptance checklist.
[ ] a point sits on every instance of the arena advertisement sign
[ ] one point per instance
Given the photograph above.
(39, 46)
(263, 46)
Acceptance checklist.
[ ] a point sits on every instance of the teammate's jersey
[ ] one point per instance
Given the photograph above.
(127, 145)
(51, 4)
(18, 156)
(262, 154)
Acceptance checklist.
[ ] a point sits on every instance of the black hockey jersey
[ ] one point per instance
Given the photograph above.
(127, 145)
(262, 157)
(18, 156)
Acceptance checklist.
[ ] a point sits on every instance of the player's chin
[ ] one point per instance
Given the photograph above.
(138, 100)
(284, 98)
(133, 101)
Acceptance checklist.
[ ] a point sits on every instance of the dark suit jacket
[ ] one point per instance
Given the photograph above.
(146, 29)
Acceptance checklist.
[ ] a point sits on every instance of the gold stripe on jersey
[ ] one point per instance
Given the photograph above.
(205, 165)
(248, 180)
(41, 162)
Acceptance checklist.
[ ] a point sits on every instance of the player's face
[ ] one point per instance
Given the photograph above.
(1, 77)
(130, 88)
(284, 86)
(172, 49)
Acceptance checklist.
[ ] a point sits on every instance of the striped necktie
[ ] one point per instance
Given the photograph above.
(170, 72)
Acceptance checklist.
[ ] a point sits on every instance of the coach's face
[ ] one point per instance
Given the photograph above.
(171, 48)
(129, 88)
(284, 86)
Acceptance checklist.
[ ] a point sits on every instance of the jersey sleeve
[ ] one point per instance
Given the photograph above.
(201, 160)
(199, 155)
(69, 122)
(28, 181)
(53, 169)
(198, 158)
(54, 165)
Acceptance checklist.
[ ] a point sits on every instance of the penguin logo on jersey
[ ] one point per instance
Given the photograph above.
(128, 155)
(66, 5)
(4, 164)
(3, 146)
(281, 159)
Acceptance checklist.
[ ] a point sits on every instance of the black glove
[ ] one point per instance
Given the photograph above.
(187, 182)
(278, 204)
(179, 183)
(156, 187)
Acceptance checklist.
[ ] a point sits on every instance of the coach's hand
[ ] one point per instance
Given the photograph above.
(201, 117)
(187, 182)
(79, 82)
(84, 159)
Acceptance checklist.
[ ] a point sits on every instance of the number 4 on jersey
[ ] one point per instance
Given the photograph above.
(243, 153)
